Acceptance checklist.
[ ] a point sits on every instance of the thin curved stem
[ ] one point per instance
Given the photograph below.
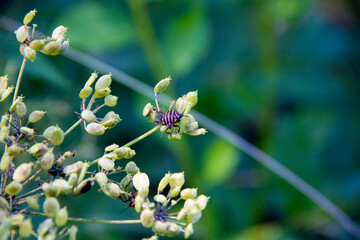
(73, 126)
(18, 81)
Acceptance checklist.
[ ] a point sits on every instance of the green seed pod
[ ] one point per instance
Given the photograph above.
(83, 171)
(201, 202)
(193, 216)
(13, 150)
(164, 182)
(13, 188)
(58, 32)
(51, 207)
(28, 131)
(188, 193)
(16, 219)
(187, 108)
(22, 172)
(4, 131)
(177, 180)
(91, 79)
(83, 187)
(6, 93)
(54, 134)
(37, 149)
(188, 230)
(197, 132)
(29, 17)
(110, 120)
(37, 44)
(50, 190)
(85, 92)
(4, 120)
(112, 190)
(32, 202)
(102, 93)
(52, 48)
(47, 160)
(3, 83)
(125, 182)
(106, 163)
(73, 168)
(29, 53)
(147, 218)
(174, 136)
(159, 227)
(131, 168)
(162, 85)
(189, 205)
(174, 191)
(5, 162)
(4, 203)
(72, 232)
(112, 147)
(147, 109)
(152, 116)
(35, 116)
(72, 180)
(139, 200)
(61, 217)
(101, 179)
(141, 183)
(160, 198)
(181, 104)
(62, 184)
(88, 115)
(44, 228)
(192, 97)
(22, 33)
(111, 155)
(103, 82)
(95, 129)
(25, 228)
(172, 229)
(111, 100)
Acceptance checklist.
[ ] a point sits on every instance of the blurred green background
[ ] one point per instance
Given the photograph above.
(283, 74)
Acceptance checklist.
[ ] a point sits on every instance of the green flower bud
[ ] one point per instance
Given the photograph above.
(5, 162)
(73, 168)
(188, 193)
(28, 131)
(197, 132)
(83, 172)
(37, 149)
(72, 232)
(174, 191)
(159, 227)
(160, 198)
(29, 53)
(16, 219)
(164, 182)
(25, 228)
(4, 203)
(88, 115)
(102, 92)
(22, 172)
(35, 116)
(181, 104)
(112, 190)
(101, 179)
(51, 207)
(125, 182)
(188, 230)
(152, 116)
(112, 147)
(91, 79)
(29, 17)
(13, 188)
(124, 152)
(103, 82)
(84, 187)
(72, 180)
(22, 33)
(22, 47)
(192, 97)
(175, 136)
(141, 183)
(110, 120)
(37, 44)
(4, 131)
(106, 164)
(62, 184)
(187, 107)
(172, 229)
(47, 160)
(58, 32)
(201, 202)
(85, 92)
(111, 155)
(20, 109)
(139, 200)
(44, 228)
(95, 129)
(13, 150)
(111, 101)
(6, 93)
(193, 216)
(50, 190)
(61, 217)
(177, 180)
(131, 168)
(32, 202)
(147, 109)
(162, 85)
(3, 83)
(52, 48)
(147, 217)
(54, 135)
(181, 215)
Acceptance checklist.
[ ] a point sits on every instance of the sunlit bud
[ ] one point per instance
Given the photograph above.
(189, 205)
(51, 207)
(5, 161)
(159, 227)
(72, 232)
(29, 17)
(175, 136)
(62, 184)
(192, 97)
(22, 33)
(36, 116)
(188, 230)
(177, 180)
(13, 150)
(147, 217)
(22, 172)
(28, 131)
(181, 215)
(91, 79)
(52, 48)
(101, 179)
(32, 202)
(125, 182)
(197, 132)
(13, 188)
(73, 168)
(172, 229)
(188, 193)
(141, 183)
(50, 190)
(83, 171)
(112, 190)
(37, 149)
(139, 199)
(174, 191)
(3, 83)
(162, 85)
(84, 187)
(54, 134)
(4, 131)
(111, 100)
(29, 53)
(111, 147)
(85, 92)
(58, 32)
(193, 216)
(61, 217)
(37, 44)
(110, 120)
(131, 168)
(47, 160)
(72, 179)
(160, 198)
(88, 115)
(95, 129)
(102, 92)
(147, 109)
(201, 202)
(44, 227)
(103, 82)
(106, 163)
(25, 228)
(164, 182)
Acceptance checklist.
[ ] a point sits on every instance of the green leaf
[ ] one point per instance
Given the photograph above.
(220, 161)
(94, 26)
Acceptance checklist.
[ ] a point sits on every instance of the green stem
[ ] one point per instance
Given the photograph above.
(98, 108)
(32, 177)
(73, 126)
(29, 193)
(85, 220)
(92, 100)
(18, 81)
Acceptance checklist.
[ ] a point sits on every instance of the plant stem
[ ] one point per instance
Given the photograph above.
(18, 81)
(86, 220)
(32, 177)
(98, 108)
(73, 126)
(142, 136)
(28, 193)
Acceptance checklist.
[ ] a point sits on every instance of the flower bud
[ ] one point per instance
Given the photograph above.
(112, 190)
(201, 202)
(4, 132)
(139, 200)
(25, 228)
(61, 217)
(181, 215)
(5, 162)
(51, 207)
(162, 85)
(72, 232)
(83, 172)
(188, 230)
(72, 180)
(22, 172)
(131, 168)
(152, 116)
(174, 136)
(4, 203)
(111, 100)
(29, 53)
(192, 97)
(106, 164)
(29, 17)
(50, 190)
(54, 135)
(73, 168)
(187, 107)
(95, 129)
(188, 193)
(13, 150)
(124, 152)
(91, 79)
(37, 44)
(160, 198)
(88, 115)
(189, 205)
(181, 104)
(37, 149)
(44, 228)
(85, 92)
(101, 179)
(20, 109)
(13, 188)
(6, 93)
(3, 83)
(125, 182)
(193, 216)
(36, 116)
(52, 48)
(111, 147)
(147, 217)
(22, 33)
(84, 187)
(147, 109)
(110, 120)
(32, 202)
(197, 132)
(58, 32)
(102, 92)
(62, 184)
(159, 227)
(47, 160)
(177, 180)
(164, 182)
(172, 229)
(174, 191)
(103, 82)
(29, 131)
(141, 183)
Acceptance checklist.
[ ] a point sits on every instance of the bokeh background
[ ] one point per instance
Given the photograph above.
(283, 74)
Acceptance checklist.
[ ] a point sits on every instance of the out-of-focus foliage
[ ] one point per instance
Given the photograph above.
(284, 74)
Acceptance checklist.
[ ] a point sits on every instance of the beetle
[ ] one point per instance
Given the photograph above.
(170, 118)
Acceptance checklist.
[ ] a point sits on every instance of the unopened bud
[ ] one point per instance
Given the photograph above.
(52, 48)
(47, 160)
(181, 104)
(147, 109)
(141, 183)
(177, 180)
(131, 168)
(139, 200)
(83, 172)
(61, 217)
(20, 109)
(160, 198)
(36, 116)
(152, 116)
(193, 216)
(54, 135)
(4, 132)
(5, 162)
(106, 163)
(164, 182)
(124, 152)
(103, 82)
(51, 207)
(197, 132)
(58, 32)
(13, 150)
(111, 147)
(125, 182)
(88, 115)
(22, 33)
(189, 205)
(95, 129)
(25, 228)
(192, 97)
(73, 168)
(91, 79)
(85, 92)
(72, 180)
(29, 53)
(162, 85)
(3, 83)
(29, 17)
(181, 215)
(111, 100)
(37, 44)
(62, 184)
(110, 120)
(28, 131)
(189, 229)
(174, 191)
(72, 232)
(147, 217)
(22, 172)
(112, 190)
(172, 229)
(37, 149)
(102, 92)
(201, 202)
(101, 179)
(174, 136)
(159, 227)
(188, 193)
(50, 190)
(6, 93)
(13, 188)
(32, 202)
